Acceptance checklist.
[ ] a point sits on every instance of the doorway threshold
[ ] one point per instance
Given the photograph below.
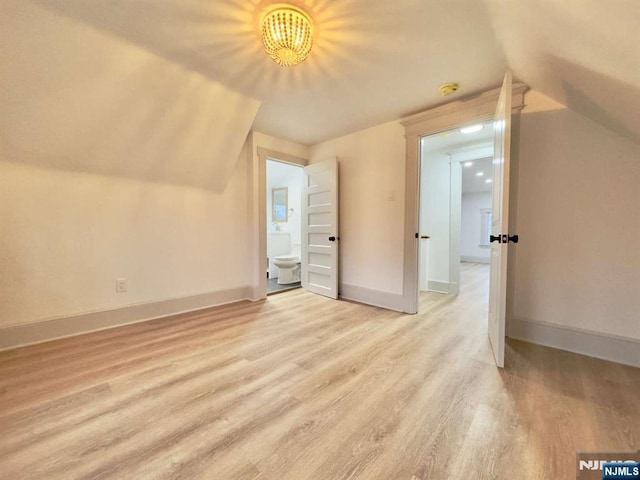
(274, 287)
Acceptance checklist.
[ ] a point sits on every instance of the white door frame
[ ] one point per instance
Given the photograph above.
(265, 154)
(477, 109)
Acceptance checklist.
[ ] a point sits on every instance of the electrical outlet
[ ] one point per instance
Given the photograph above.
(121, 285)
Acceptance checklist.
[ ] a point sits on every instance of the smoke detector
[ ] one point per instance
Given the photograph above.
(447, 89)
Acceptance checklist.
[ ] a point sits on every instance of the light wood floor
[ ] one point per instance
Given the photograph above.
(302, 387)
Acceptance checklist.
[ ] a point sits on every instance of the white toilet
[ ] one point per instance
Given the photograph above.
(288, 269)
(284, 264)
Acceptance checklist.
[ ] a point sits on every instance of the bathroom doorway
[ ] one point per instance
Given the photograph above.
(283, 225)
(319, 259)
(454, 206)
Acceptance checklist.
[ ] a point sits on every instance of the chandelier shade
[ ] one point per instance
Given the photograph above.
(287, 34)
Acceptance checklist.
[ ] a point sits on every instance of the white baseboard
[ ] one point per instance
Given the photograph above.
(255, 293)
(377, 298)
(474, 259)
(440, 287)
(593, 344)
(44, 331)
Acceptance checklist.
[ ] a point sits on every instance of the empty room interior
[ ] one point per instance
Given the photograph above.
(319, 239)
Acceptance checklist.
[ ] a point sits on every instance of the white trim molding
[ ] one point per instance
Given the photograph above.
(465, 258)
(46, 330)
(473, 109)
(376, 298)
(585, 342)
(437, 286)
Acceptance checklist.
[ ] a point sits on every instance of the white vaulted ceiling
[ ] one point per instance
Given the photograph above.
(584, 54)
(379, 60)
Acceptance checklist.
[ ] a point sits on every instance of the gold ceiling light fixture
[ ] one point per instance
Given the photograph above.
(287, 34)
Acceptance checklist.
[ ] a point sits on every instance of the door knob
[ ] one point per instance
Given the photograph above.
(332, 238)
(503, 238)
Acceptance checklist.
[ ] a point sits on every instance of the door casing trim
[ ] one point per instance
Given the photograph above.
(478, 108)
(265, 154)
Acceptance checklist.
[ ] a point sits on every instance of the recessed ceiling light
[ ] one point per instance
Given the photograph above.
(488, 180)
(471, 129)
(468, 164)
(480, 174)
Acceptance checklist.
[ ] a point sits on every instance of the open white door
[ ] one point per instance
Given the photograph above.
(500, 222)
(320, 228)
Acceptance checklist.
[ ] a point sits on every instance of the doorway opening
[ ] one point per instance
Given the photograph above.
(455, 204)
(318, 213)
(284, 184)
(497, 106)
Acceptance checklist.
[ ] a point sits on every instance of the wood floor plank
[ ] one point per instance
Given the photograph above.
(303, 387)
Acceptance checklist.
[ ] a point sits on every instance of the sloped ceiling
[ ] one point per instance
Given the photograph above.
(379, 60)
(584, 54)
(79, 99)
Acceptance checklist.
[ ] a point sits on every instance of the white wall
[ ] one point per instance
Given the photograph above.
(371, 176)
(578, 260)
(66, 237)
(113, 163)
(470, 248)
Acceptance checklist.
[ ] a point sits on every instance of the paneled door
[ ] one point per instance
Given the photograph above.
(320, 237)
(500, 222)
